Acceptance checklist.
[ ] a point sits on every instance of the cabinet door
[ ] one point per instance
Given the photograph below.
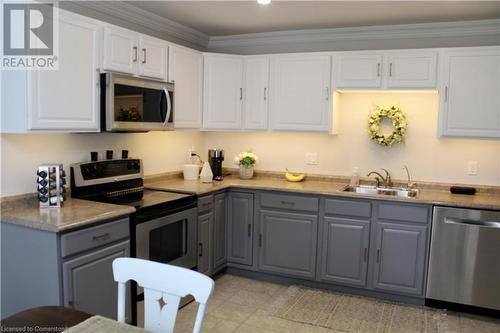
(469, 103)
(411, 69)
(399, 257)
(222, 91)
(185, 69)
(220, 227)
(344, 256)
(121, 53)
(152, 58)
(287, 243)
(68, 98)
(300, 92)
(88, 281)
(358, 70)
(205, 230)
(240, 227)
(255, 92)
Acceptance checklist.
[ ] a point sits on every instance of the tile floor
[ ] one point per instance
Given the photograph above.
(242, 305)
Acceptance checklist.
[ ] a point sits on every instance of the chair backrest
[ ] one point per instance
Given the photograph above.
(164, 285)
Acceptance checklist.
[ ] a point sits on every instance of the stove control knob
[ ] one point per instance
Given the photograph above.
(130, 165)
(137, 165)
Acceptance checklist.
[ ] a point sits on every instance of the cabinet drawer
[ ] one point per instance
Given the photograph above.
(283, 201)
(205, 203)
(348, 207)
(400, 212)
(92, 237)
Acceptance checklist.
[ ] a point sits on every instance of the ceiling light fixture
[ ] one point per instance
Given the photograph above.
(264, 2)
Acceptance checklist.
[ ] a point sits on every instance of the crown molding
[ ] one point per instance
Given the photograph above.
(381, 32)
(132, 14)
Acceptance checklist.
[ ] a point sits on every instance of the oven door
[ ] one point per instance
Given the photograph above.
(134, 104)
(169, 239)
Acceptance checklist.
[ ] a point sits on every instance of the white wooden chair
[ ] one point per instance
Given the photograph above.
(164, 285)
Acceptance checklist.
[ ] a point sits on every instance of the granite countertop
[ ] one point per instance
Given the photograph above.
(75, 213)
(425, 196)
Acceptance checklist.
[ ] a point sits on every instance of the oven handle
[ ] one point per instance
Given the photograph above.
(169, 107)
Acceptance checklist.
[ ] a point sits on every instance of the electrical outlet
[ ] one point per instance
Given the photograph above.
(472, 168)
(312, 158)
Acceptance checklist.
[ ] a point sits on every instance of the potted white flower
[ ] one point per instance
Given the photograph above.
(246, 160)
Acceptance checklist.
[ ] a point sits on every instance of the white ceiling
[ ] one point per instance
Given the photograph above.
(220, 18)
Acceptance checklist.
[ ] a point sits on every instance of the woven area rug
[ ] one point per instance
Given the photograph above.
(355, 314)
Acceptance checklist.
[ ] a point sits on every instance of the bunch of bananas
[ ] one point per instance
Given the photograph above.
(294, 177)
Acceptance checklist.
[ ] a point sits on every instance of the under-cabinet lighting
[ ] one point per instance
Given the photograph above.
(264, 2)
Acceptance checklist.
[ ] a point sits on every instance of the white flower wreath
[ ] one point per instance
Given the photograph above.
(399, 125)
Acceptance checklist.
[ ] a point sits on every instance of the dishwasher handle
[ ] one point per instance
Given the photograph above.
(477, 223)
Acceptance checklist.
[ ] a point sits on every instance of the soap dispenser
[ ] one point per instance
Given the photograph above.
(206, 174)
(355, 177)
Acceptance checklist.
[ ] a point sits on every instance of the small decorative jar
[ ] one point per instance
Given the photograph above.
(246, 171)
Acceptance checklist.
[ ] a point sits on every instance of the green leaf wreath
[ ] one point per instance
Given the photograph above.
(399, 125)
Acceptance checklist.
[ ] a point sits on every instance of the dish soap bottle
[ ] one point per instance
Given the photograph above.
(354, 178)
(206, 174)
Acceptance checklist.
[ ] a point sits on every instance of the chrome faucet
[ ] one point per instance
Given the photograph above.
(386, 180)
(410, 184)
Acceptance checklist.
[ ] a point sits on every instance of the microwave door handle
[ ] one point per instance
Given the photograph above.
(169, 107)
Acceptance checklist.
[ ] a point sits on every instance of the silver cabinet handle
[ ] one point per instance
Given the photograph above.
(378, 69)
(200, 249)
(135, 53)
(446, 93)
(241, 94)
(290, 203)
(144, 56)
(327, 90)
(100, 238)
(260, 240)
(366, 254)
(249, 230)
(265, 94)
(378, 256)
(390, 69)
(477, 223)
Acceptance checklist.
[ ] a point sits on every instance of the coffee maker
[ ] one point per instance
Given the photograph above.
(215, 158)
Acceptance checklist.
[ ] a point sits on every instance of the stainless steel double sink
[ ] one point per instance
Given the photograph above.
(384, 191)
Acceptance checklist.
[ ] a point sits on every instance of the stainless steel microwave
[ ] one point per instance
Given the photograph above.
(131, 104)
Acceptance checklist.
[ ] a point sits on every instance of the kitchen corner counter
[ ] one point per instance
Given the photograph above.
(75, 213)
(319, 187)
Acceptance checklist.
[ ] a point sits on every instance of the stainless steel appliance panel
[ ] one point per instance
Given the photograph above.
(464, 262)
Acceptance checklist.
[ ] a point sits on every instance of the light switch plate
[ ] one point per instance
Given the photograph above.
(472, 168)
(312, 158)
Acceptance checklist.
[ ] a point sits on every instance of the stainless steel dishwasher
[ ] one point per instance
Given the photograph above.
(464, 264)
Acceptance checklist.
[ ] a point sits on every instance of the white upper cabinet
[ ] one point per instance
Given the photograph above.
(409, 69)
(185, 70)
(152, 57)
(129, 52)
(470, 92)
(299, 93)
(386, 70)
(255, 92)
(66, 99)
(222, 91)
(120, 50)
(358, 70)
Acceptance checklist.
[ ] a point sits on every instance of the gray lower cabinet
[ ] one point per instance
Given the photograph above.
(287, 243)
(205, 230)
(240, 229)
(88, 281)
(345, 243)
(220, 231)
(400, 252)
(70, 269)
